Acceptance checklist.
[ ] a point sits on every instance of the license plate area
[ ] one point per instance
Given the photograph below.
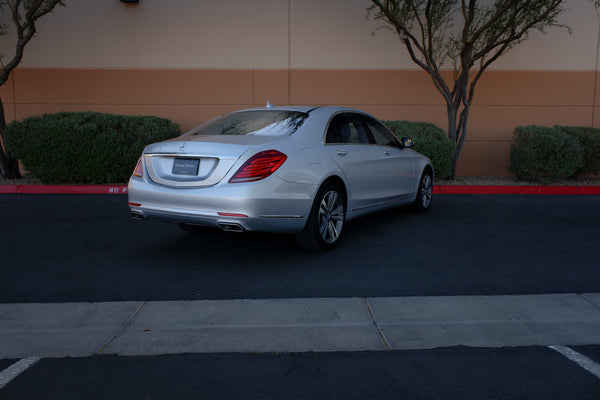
(185, 166)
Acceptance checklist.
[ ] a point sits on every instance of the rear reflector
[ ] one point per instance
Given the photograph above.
(224, 214)
(259, 166)
(135, 204)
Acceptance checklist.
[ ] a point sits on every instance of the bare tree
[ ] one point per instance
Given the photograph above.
(467, 34)
(24, 15)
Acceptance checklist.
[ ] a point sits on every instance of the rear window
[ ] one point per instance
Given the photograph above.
(263, 123)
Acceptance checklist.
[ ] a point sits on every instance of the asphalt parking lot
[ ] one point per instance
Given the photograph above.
(60, 251)
(86, 248)
(451, 373)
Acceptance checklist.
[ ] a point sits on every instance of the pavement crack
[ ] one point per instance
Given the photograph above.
(583, 296)
(384, 340)
(123, 328)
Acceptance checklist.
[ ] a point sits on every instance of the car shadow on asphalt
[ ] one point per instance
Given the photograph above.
(361, 236)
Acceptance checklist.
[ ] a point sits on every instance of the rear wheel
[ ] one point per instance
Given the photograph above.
(425, 192)
(326, 219)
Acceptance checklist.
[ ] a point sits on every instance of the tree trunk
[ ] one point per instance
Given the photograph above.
(461, 134)
(8, 166)
(457, 131)
(452, 135)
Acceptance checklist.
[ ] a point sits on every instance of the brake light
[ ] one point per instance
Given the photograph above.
(139, 169)
(259, 166)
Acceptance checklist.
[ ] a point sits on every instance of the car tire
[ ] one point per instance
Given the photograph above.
(424, 192)
(326, 219)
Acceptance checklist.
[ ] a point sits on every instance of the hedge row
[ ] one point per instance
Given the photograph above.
(546, 155)
(89, 147)
(84, 147)
(589, 139)
(430, 140)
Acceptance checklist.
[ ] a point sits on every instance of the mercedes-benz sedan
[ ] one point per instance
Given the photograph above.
(297, 170)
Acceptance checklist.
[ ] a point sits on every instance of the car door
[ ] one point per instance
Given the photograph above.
(398, 167)
(361, 162)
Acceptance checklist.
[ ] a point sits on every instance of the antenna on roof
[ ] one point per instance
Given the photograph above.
(269, 105)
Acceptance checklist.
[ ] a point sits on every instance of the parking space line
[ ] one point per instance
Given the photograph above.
(581, 360)
(16, 369)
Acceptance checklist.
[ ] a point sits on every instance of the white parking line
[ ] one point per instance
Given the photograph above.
(581, 360)
(14, 370)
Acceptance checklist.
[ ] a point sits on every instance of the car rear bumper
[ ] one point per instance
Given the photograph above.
(227, 206)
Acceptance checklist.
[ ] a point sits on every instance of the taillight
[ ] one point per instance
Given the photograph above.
(259, 166)
(139, 169)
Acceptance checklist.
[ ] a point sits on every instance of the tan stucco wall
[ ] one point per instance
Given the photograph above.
(264, 34)
(190, 60)
(505, 99)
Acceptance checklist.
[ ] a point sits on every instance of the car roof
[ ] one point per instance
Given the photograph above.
(305, 109)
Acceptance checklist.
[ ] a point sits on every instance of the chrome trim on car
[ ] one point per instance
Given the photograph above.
(397, 199)
(221, 166)
(280, 216)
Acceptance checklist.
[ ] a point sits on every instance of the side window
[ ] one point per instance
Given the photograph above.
(381, 134)
(345, 128)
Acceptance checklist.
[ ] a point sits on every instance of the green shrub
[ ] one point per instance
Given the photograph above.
(430, 141)
(544, 155)
(589, 139)
(84, 147)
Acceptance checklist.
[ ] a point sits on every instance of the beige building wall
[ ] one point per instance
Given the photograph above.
(189, 60)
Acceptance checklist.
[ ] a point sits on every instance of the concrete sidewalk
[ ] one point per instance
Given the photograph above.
(297, 325)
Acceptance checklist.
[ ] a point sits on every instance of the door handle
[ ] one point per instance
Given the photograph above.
(386, 152)
(342, 153)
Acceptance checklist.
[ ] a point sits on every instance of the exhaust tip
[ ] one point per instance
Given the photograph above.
(230, 227)
(137, 215)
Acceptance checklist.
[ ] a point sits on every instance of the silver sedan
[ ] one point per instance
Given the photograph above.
(298, 170)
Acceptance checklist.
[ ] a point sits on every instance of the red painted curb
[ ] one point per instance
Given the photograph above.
(8, 189)
(67, 189)
(499, 189)
(438, 189)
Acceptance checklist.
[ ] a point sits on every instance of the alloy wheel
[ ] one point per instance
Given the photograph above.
(426, 190)
(331, 216)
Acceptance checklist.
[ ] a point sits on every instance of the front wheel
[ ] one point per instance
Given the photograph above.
(425, 192)
(325, 221)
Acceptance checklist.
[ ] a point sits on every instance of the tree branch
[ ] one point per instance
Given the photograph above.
(25, 29)
(516, 34)
(401, 29)
(411, 42)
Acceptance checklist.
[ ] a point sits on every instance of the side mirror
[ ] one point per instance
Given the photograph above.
(407, 143)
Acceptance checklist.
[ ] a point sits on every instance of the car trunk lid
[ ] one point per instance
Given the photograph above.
(197, 161)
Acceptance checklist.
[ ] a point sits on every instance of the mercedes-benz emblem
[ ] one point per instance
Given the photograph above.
(182, 147)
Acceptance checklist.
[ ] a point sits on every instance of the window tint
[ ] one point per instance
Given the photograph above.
(381, 134)
(265, 123)
(346, 128)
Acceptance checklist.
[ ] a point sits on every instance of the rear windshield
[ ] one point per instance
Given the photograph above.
(264, 123)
